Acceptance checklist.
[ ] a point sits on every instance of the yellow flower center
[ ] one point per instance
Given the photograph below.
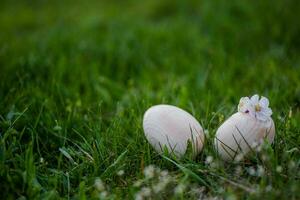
(257, 108)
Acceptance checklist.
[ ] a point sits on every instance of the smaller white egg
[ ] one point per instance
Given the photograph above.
(238, 134)
(170, 127)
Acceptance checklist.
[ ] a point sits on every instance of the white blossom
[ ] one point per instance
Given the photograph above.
(120, 173)
(268, 188)
(138, 183)
(179, 189)
(164, 173)
(139, 196)
(146, 192)
(239, 157)
(251, 171)
(255, 107)
(103, 194)
(279, 169)
(99, 185)
(149, 171)
(209, 159)
(260, 171)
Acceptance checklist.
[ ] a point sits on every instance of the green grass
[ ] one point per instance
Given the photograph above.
(76, 78)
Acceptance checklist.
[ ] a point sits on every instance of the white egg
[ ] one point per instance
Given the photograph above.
(240, 133)
(170, 127)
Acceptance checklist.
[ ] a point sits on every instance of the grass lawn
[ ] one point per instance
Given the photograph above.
(77, 76)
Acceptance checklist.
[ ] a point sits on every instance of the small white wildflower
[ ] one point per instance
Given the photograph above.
(214, 165)
(255, 107)
(279, 169)
(57, 128)
(280, 118)
(166, 179)
(139, 196)
(149, 171)
(260, 171)
(103, 194)
(238, 170)
(206, 132)
(145, 191)
(239, 157)
(292, 164)
(157, 188)
(264, 157)
(231, 197)
(251, 171)
(268, 188)
(179, 189)
(138, 183)
(120, 173)
(209, 159)
(161, 185)
(198, 191)
(220, 189)
(42, 160)
(164, 173)
(99, 185)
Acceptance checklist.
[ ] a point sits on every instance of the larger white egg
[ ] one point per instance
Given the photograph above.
(170, 127)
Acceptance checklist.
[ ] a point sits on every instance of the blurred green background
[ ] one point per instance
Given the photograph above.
(225, 48)
(94, 67)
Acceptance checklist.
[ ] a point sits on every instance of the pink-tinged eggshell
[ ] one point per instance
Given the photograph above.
(239, 134)
(171, 127)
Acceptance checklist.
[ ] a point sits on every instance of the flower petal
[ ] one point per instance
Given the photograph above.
(244, 105)
(264, 102)
(244, 99)
(251, 111)
(254, 99)
(266, 111)
(261, 116)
